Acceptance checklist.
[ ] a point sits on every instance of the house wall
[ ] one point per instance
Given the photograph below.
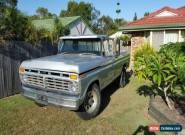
(79, 28)
(160, 37)
(156, 38)
(137, 40)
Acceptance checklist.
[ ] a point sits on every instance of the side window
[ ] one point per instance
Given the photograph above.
(117, 47)
(97, 46)
(108, 48)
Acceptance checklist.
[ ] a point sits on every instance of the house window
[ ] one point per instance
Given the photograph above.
(172, 36)
(157, 39)
(183, 35)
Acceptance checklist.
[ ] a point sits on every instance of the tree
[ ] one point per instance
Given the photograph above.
(85, 10)
(107, 25)
(146, 14)
(59, 30)
(135, 17)
(125, 38)
(42, 12)
(5, 5)
(12, 22)
(120, 22)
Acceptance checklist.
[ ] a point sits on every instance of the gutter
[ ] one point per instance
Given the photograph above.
(152, 27)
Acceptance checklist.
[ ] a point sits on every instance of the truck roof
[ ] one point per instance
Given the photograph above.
(85, 37)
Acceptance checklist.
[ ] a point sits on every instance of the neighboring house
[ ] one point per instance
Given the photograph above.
(160, 27)
(76, 24)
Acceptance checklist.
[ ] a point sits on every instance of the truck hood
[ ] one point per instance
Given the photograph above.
(76, 63)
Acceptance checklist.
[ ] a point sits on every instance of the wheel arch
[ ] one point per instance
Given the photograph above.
(97, 81)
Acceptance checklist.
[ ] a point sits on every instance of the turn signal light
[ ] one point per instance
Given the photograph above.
(73, 77)
(21, 70)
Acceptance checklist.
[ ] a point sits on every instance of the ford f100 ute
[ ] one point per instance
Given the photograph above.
(74, 77)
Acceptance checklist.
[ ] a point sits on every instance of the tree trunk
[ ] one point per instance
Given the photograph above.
(167, 98)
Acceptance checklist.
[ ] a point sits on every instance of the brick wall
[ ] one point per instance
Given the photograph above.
(137, 40)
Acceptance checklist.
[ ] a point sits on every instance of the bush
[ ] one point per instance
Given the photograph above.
(165, 69)
(142, 58)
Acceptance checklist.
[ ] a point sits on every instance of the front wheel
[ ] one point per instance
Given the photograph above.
(122, 82)
(91, 105)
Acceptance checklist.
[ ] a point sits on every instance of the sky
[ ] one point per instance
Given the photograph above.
(106, 7)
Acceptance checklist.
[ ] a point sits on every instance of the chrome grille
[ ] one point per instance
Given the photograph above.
(35, 80)
(57, 84)
(53, 83)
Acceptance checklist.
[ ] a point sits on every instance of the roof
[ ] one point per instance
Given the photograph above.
(49, 23)
(85, 37)
(166, 17)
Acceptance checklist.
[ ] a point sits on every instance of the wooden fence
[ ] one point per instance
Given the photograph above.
(11, 56)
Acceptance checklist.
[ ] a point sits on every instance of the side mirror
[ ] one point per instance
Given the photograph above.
(59, 45)
(103, 53)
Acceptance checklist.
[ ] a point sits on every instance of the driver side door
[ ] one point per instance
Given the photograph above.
(108, 73)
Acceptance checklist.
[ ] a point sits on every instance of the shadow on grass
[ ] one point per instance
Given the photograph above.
(146, 90)
(144, 130)
(110, 90)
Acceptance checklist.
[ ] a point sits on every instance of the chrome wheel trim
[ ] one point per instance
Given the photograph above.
(91, 101)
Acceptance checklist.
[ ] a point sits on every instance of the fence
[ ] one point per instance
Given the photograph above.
(11, 56)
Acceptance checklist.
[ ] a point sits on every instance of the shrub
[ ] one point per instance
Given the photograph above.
(142, 58)
(165, 69)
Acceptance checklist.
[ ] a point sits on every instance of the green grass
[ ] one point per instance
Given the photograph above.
(123, 115)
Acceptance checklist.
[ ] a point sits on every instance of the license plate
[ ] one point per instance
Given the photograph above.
(42, 98)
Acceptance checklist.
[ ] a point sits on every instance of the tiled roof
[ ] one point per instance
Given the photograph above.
(49, 23)
(153, 19)
(181, 10)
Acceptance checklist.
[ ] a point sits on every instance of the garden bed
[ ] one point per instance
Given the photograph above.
(160, 111)
(180, 105)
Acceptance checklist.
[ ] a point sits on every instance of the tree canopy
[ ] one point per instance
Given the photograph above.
(146, 14)
(86, 10)
(107, 25)
(43, 13)
(14, 25)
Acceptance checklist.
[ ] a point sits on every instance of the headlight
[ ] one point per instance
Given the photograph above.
(74, 87)
(21, 70)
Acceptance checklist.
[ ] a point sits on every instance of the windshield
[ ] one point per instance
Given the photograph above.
(81, 46)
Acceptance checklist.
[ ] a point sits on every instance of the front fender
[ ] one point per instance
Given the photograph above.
(86, 83)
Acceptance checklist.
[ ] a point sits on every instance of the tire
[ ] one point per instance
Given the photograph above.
(122, 80)
(91, 105)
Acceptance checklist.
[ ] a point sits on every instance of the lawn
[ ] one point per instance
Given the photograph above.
(124, 112)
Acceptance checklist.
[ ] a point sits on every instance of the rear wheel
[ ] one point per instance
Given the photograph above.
(91, 105)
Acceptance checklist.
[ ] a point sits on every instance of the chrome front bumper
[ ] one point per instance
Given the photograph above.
(52, 98)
